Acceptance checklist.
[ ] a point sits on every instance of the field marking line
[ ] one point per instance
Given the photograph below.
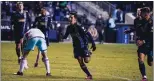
(121, 78)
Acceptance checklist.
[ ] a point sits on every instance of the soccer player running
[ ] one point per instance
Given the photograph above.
(34, 37)
(143, 27)
(80, 43)
(42, 22)
(19, 20)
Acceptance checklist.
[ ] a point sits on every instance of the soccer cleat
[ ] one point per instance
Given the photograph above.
(36, 64)
(144, 79)
(89, 78)
(48, 74)
(19, 73)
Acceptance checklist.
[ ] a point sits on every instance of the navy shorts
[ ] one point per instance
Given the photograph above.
(146, 49)
(81, 52)
(142, 49)
(18, 38)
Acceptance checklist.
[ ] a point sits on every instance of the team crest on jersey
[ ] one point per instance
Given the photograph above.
(93, 32)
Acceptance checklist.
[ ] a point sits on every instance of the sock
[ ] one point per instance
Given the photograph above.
(18, 52)
(22, 65)
(85, 69)
(142, 69)
(26, 64)
(145, 77)
(47, 65)
(20, 58)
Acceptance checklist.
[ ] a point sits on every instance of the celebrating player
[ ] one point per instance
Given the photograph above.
(80, 43)
(143, 27)
(19, 21)
(34, 37)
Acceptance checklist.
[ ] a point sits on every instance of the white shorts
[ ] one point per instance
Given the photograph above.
(37, 41)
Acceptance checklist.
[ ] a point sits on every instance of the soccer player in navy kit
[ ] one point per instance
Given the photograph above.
(143, 28)
(19, 20)
(80, 43)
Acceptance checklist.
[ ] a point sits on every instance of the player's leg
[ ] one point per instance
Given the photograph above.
(84, 67)
(141, 64)
(18, 52)
(87, 56)
(150, 58)
(87, 59)
(37, 58)
(46, 62)
(141, 56)
(27, 48)
(100, 36)
(43, 48)
(18, 48)
(23, 62)
(47, 41)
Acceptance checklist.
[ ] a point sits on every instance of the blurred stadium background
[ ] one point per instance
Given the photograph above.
(123, 12)
(110, 62)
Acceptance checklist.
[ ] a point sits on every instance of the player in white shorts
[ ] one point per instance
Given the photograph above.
(34, 37)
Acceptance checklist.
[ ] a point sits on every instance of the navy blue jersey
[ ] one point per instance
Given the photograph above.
(20, 22)
(143, 29)
(79, 36)
(43, 23)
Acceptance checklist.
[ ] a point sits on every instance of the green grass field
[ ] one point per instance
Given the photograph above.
(110, 62)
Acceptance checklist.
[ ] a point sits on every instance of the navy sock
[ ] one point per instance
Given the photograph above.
(85, 69)
(18, 52)
(142, 69)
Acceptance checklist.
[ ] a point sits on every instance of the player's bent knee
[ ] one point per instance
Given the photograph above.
(83, 66)
(87, 60)
(150, 63)
(140, 60)
(45, 59)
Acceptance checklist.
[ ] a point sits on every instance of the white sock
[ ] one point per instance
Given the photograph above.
(22, 64)
(47, 65)
(20, 57)
(144, 76)
(26, 64)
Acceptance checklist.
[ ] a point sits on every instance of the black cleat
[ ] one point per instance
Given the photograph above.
(48, 74)
(36, 65)
(19, 73)
(89, 78)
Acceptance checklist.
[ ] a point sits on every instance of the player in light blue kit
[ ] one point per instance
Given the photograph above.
(34, 37)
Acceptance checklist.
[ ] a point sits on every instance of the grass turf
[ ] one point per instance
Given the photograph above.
(110, 62)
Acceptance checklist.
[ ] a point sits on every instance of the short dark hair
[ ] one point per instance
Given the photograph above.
(19, 3)
(74, 13)
(145, 9)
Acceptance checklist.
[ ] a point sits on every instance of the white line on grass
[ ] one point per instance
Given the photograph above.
(121, 78)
